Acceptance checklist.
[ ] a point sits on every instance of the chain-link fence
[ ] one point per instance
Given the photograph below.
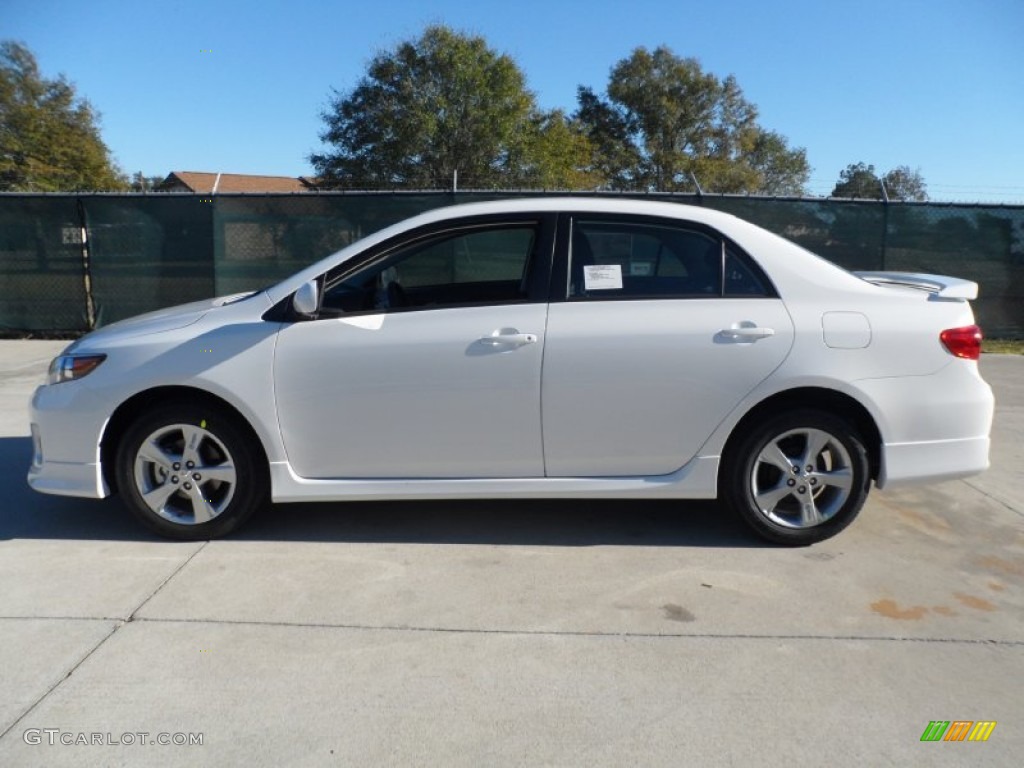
(70, 263)
(42, 285)
(148, 252)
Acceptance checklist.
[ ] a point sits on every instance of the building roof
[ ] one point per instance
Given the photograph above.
(207, 183)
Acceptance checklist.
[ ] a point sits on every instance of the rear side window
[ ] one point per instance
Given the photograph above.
(742, 278)
(638, 260)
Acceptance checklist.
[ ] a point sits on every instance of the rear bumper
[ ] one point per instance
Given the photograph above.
(934, 428)
(932, 461)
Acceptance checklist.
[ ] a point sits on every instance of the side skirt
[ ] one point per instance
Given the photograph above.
(696, 480)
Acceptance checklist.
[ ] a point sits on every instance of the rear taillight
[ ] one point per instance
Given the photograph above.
(963, 342)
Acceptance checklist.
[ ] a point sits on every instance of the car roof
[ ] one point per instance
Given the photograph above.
(581, 204)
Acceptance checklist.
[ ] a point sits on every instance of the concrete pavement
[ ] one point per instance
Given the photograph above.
(511, 633)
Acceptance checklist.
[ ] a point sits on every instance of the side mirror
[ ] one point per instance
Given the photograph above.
(307, 299)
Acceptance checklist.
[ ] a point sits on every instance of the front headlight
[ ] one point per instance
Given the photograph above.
(72, 367)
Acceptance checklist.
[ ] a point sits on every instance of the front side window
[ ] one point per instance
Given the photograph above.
(478, 266)
(611, 259)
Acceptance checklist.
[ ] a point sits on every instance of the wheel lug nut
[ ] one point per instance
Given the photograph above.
(795, 469)
(810, 468)
(190, 464)
(177, 466)
(791, 482)
(814, 481)
(174, 478)
(188, 486)
(196, 477)
(801, 489)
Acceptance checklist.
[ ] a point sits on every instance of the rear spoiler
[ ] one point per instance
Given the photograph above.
(940, 286)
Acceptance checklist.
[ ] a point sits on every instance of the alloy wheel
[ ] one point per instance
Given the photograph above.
(801, 478)
(185, 474)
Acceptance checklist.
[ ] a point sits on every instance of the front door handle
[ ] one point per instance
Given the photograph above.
(509, 337)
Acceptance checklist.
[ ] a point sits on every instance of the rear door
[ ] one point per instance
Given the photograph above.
(662, 327)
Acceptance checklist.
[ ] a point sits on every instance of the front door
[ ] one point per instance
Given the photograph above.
(424, 363)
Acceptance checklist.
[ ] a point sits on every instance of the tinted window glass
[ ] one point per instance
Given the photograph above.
(741, 279)
(470, 267)
(608, 260)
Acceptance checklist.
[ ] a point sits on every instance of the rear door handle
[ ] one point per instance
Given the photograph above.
(509, 337)
(746, 332)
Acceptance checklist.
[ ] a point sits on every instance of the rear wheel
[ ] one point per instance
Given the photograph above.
(797, 478)
(190, 472)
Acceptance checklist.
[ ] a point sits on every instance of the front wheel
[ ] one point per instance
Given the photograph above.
(189, 472)
(797, 478)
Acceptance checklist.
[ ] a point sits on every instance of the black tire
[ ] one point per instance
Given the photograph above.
(802, 506)
(192, 506)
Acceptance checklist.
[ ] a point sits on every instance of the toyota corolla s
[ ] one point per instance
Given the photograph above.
(555, 348)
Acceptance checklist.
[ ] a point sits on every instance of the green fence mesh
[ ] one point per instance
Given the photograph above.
(259, 240)
(42, 285)
(149, 252)
(981, 244)
(152, 251)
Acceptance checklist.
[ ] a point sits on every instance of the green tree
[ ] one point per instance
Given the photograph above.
(49, 138)
(781, 170)
(441, 103)
(142, 183)
(557, 154)
(859, 180)
(901, 183)
(617, 157)
(664, 119)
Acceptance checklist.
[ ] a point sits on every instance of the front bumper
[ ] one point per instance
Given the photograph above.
(65, 440)
(68, 479)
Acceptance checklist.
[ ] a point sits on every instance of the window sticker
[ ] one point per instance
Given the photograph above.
(602, 277)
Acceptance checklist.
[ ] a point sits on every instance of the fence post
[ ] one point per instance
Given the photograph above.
(885, 221)
(90, 304)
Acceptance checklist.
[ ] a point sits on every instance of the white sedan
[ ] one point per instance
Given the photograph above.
(533, 348)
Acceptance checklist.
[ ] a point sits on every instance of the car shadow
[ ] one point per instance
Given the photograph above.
(26, 514)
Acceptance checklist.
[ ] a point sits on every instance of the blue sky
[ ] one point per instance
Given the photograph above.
(239, 86)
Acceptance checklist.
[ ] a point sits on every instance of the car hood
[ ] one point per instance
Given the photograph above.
(168, 319)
